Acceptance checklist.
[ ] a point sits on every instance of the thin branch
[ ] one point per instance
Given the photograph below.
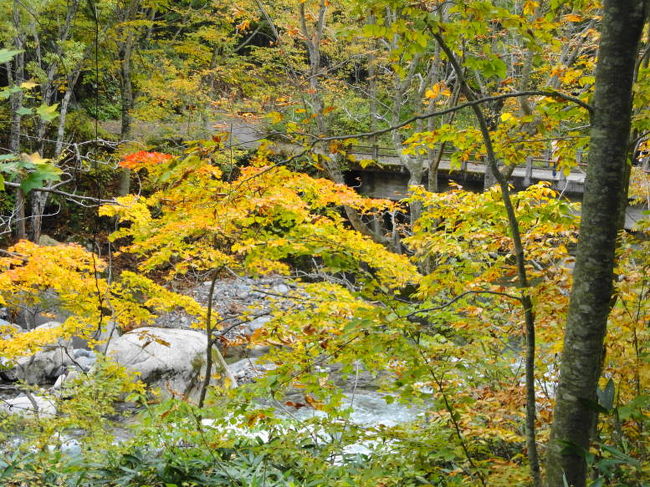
(460, 296)
(63, 193)
(471, 103)
(526, 301)
(209, 348)
(453, 417)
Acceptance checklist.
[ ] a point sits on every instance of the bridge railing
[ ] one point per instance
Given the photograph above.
(375, 152)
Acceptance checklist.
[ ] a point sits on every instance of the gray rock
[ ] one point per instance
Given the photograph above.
(60, 380)
(47, 241)
(4, 322)
(63, 379)
(45, 365)
(85, 363)
(24, 406)
(281, 289)
(84, 353)
(360, 378)
(257, 323)
(10, 329)
(107, 332)
(246, 370)
(167, 358)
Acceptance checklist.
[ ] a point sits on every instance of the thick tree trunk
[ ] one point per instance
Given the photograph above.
(594, 271)
(126, 87)
(127, 105)
(15, 77)
(417, 169)
(39, 201)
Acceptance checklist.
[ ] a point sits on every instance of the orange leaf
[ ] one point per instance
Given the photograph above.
(143, 159)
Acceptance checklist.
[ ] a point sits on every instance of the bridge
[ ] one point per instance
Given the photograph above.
(386, 176)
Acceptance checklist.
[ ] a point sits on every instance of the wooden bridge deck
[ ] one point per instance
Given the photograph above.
(390, 172)
(248, 135)
(533, 171)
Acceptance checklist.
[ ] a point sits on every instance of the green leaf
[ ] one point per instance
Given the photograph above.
(2, 182)
(364, 163)
(47, 112)
(7, 92)
(634, 409)
(622, 457)
(36, 179)
(7, 55)
(599, 482)
(23, 111)
(496, 67)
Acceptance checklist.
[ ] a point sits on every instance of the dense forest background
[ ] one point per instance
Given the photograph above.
(346, 242)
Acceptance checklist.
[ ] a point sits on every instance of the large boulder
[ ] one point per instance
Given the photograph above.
(170, 359)
(7, 325)
(45, 365)
(7, 330)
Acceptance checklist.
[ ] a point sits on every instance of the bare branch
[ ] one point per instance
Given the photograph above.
(460, 296)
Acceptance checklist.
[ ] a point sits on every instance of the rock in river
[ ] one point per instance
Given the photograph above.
(170, 359)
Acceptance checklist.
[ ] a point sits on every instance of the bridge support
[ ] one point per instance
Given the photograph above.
(528, 177)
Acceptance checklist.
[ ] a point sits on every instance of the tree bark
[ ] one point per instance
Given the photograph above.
(16, 76)
(39, 198)
(127, 104)
(594, 271)
(126, 87)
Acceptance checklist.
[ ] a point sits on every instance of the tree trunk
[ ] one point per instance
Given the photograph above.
(19, 210)
(520, 259)
(489, 180)
(312, 41)
(594, 271)
(334, 173)
(416, 170)
(127, 105)
(39, 198)
(15, 77)
(126, 89)
(63, 111)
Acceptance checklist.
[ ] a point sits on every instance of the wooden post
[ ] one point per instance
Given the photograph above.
(489, 179)
(528, 177)
(375, 149)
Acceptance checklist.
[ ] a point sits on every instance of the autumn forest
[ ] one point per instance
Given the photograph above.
(305, 243)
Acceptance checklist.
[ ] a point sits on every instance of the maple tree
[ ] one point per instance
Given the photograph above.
(458, 309)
